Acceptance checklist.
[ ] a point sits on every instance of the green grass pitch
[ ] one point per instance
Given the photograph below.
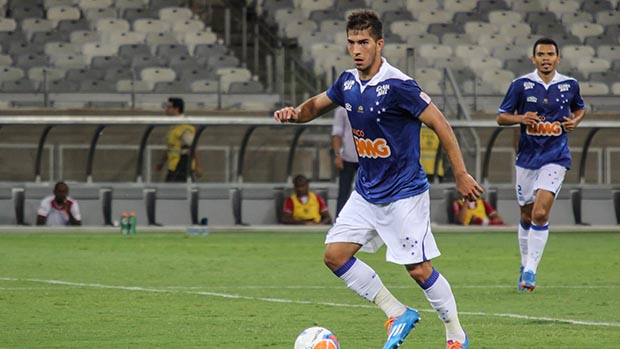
(259, 290)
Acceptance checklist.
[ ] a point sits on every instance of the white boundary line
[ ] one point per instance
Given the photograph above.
(292, 301)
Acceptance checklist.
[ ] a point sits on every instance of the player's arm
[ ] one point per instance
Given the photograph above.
(326, 218)
(69, 207)
(466, 185)
(571, 123)
(506, 119)
(459, 211)
(307, 111)
(336, 146)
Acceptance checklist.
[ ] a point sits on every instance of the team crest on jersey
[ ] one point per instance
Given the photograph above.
(545, 128)
(527, 85)
(564, 87)
(382, 90)
(532, 99)
(348, 107)
(348, 84)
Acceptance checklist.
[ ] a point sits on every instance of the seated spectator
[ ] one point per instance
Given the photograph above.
(304, 207)
(59, 209)
(477, 212)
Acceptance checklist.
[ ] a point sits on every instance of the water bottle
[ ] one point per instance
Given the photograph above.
(133, 221)
(124, 223)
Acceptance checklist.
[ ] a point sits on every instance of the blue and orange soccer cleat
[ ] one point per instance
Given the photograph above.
(520, 279)
(398, 328)
(458, 345)
(528, 282)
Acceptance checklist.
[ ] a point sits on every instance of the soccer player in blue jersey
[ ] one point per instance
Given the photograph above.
(548, 106)
(390, 203)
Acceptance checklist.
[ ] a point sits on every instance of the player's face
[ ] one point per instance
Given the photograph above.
(61, 192)
(545, 58)
(302, 189)
(170, 110)
(365, 51)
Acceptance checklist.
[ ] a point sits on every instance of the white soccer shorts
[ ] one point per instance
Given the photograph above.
(549, 177)
(404, 226)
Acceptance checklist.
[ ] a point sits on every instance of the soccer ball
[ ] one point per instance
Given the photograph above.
(316, 338)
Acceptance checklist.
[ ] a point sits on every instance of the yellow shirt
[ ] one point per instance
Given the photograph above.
(178, 144)
(307, 211)
(429, 143)
(477, 211)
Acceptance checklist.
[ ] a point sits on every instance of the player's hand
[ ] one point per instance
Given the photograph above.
(530, 118)
(286, 114)
(467, 186)
(569, 124)
(68, 205)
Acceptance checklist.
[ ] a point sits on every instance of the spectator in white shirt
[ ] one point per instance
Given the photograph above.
(59, 209)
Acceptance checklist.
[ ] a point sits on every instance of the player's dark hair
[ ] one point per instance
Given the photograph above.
(545, 41)
(177, 103)
(366, 20)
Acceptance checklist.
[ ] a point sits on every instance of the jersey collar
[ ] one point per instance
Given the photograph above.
(557, 77)
(385, 66)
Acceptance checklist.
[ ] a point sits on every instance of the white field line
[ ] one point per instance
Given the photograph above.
(292, 301)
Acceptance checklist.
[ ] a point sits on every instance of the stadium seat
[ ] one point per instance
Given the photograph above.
(155, 39)
(327, 14)
(345, 5)
(306, 40)
(105, 62)
(509, 52)
(307, 7)
(68, 61)
(607, 17)
(434, 52)
(559, 7)
(454, 39)
(133, 14)
(88, 4)
(382, 6)
(204, 50)
(460, 5)
(396, 15)
(593, 65)
(84, 74)
(123, 5)
(460, 18)
(396, 54)
(479, 67)
(593, 6)
(607, 77)
(417, 6)
(491, 40)
(512, 30)
(129, 86)
(153, 75)
(204, 86)
(167, 51)
(228, 75)
(145, 25)
(293, 29)
(41, 74)
(172, 87)
(125, 38)
(608, 52)
(179, 63)
(500, 79)
(97, 86)
(21, 13)
(475, 29)
(22, 47)
(500, 18)
(18, 86)
(448, 62)
(526, 6)
(141, 61)
(62, 86)
(7, 25)
(6, 60)
(8, 73)
(41, 38)
(568, 18)
(112, 25)
(245, 87)
(226, 61)
(175, 14)
(471, 52)
(195, 39)
(53, 3)
(593, 88)
(26, 61)
(434, 16)
(583, 30)
(479, 87)
(59, 47)
(84, 36)
(128, 51)
(94, 49)
(573, 54)
(550, 29)
(190, 25)
(119, 73)
(70, 25)
(59, 13)
(406, 28)
(615, 88)
(421, 39)
(95, 14)
(35, 25)
(439, 29)
(159, 4)
(332, 26)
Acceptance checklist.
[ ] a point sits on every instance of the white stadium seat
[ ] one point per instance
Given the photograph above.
(8, 73)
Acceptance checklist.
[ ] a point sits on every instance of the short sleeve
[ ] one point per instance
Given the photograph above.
(322, 205)
(577, 103)
(509, 104)
(44, 207)
(338, 127)
(410, 98)
(335, 91)
(288, 205)
(75, 211)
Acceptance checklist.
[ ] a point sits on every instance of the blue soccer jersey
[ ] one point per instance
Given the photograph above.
(547, 142)
(384, 119)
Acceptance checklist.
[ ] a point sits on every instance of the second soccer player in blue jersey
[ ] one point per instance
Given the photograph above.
(547, 105)
(390, 204)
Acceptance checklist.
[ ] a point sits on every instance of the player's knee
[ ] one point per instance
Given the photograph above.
(332, 260)
(540, 216)
(526, 219)
(420, 272)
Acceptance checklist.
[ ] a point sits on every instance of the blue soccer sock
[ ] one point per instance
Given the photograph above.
(536, 245)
